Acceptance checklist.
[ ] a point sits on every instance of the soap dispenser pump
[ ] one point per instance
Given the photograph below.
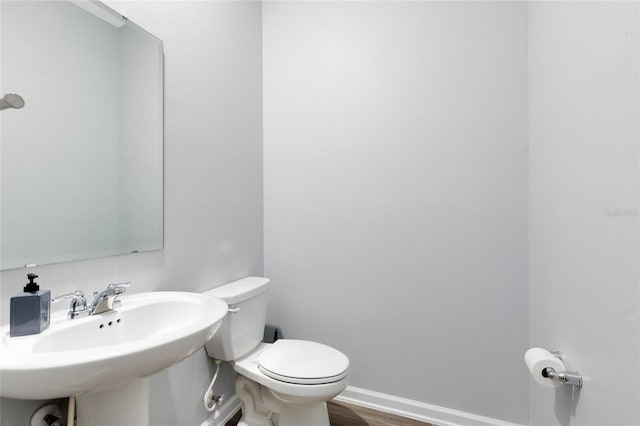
(30, 311)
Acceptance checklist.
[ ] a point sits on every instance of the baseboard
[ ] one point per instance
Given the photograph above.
(222, 415)
(416, 410)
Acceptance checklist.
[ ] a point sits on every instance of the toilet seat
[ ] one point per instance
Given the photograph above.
(247, 366)
(303, 362)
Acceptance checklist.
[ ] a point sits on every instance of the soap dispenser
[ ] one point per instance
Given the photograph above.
(30, 311)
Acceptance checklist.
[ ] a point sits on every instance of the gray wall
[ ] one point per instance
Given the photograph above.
(395, 150)
(213, 182)
(584, 133)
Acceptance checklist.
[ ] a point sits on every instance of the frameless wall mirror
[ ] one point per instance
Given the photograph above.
(81, 154)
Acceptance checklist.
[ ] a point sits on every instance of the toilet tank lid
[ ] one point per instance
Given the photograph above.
(240, 290)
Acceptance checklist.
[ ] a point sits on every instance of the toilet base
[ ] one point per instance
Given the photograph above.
(263, 407)
(254, 412)
(309, 415)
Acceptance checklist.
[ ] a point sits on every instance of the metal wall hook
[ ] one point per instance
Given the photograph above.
(11, 100)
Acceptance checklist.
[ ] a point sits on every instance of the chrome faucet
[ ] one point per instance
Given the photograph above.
(106, 299)
(102, 302)
(78, 305)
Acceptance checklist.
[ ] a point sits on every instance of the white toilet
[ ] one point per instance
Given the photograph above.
(286, 383)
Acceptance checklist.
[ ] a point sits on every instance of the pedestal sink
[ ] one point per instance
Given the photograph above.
(104, 359)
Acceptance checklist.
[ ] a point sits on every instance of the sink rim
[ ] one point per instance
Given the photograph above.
(15, 358)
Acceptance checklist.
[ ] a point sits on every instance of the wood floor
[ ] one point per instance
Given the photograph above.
(343, 414)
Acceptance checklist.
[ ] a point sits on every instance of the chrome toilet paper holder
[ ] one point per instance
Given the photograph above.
(565, 378)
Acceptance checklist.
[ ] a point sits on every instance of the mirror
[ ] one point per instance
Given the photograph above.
(81, 160)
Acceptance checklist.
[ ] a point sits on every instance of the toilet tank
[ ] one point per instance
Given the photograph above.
(242, 329)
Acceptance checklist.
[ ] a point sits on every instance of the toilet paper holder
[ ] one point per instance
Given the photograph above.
(566, 378)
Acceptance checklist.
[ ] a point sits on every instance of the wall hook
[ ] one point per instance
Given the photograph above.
(11, 100)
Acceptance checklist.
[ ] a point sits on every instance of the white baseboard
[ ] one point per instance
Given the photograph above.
(222, 415)
(421, 411)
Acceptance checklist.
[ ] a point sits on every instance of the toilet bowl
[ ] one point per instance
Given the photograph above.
(286, 383)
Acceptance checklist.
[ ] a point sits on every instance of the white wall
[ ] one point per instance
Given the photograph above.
(395, 150)
(584, 133)
(213, 183)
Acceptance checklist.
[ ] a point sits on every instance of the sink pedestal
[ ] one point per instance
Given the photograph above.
(125, 405)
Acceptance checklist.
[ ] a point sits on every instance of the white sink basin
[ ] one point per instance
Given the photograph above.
(148, 332)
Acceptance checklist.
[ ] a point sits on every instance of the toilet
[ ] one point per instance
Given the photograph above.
(286, 383)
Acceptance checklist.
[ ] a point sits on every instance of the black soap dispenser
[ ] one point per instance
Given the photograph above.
(30, 311)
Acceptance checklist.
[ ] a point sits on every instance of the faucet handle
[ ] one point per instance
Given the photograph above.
(78, 305)
(119, 288)
(74, 294)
